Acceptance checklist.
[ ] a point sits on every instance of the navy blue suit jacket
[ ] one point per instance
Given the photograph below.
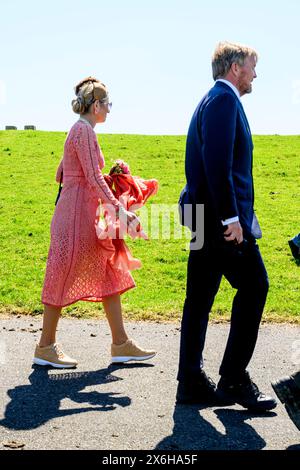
(218, 162)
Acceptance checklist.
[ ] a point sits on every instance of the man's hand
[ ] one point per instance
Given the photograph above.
(234, 232)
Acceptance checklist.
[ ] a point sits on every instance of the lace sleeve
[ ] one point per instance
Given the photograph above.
(85, 146)
(59, 171)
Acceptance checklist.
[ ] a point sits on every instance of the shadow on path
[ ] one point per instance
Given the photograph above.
(294, 447)
(35, 404)
(192, 432)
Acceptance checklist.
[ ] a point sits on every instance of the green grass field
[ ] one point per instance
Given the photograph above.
(28, 162)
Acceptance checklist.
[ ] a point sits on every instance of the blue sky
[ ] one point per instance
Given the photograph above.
(154, 56)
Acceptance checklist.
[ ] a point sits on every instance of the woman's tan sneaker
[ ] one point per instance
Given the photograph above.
(129, 351)
(53, 356)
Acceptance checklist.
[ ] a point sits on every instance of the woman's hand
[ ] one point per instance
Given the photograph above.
(129, 218)
(132, 220)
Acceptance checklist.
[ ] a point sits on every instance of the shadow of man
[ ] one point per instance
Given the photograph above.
(294, 447)
(192, 432)
(35, 404)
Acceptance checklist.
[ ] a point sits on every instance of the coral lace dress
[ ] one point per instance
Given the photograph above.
(77, 266)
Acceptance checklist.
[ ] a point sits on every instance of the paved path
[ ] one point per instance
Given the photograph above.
(98, 406)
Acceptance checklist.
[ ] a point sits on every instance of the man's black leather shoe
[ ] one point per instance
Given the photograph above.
(245, 393)
(198, 391)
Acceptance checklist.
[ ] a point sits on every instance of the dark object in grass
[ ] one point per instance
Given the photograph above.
(295, 246)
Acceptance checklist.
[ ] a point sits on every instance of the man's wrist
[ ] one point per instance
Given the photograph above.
(230, 221)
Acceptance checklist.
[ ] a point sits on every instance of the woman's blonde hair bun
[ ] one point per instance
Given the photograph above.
(87, 91)
(82, 82)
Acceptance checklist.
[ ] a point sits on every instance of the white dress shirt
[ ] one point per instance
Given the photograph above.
(227, 82)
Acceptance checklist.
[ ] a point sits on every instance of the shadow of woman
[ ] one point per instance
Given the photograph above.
(192, 432)
(35, 404)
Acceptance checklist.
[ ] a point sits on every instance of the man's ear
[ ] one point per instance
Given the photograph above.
(235, 68)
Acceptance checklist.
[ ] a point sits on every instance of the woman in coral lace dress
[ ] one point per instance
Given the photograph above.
(77, 266)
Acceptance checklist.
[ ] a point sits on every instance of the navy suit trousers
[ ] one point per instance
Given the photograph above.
(243, 267)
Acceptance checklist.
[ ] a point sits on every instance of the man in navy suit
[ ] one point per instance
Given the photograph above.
(219, 176)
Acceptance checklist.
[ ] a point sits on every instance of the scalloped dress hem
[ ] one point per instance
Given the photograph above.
(90, 299)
